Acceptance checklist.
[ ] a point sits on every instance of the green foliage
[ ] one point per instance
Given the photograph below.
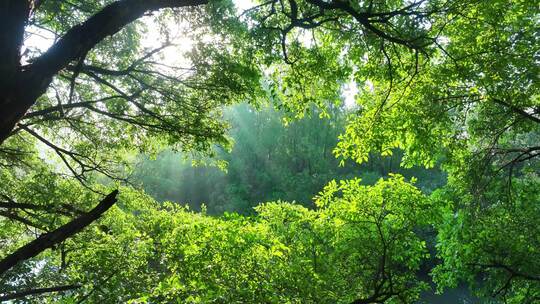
(360, 243)
(467, 99)
(450, 83)
(494, 247)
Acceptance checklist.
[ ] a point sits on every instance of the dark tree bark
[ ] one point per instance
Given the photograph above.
(57, 236)
(13, 18)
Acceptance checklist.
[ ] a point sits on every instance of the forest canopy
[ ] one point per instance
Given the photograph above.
(424, 175)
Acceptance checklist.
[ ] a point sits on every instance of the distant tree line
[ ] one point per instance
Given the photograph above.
(269, 160)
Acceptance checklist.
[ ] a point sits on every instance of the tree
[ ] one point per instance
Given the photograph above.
(284, 253)
(22, 85)
(464, 94)
(458, 85)
(474, 106)
(269, 161)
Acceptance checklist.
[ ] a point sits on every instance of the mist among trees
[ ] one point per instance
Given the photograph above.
(281, 151)
(268, 161)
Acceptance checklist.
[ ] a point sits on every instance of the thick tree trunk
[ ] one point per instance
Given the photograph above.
(13, 18)
(13, 107)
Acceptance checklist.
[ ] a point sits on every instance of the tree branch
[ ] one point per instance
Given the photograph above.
(34, 79)
(108, 21)
(24, 293)
(364, 19)
(511, 271)
(58, 235)
(64, 209)
(516, 110)
(74, 105)
(15, 217)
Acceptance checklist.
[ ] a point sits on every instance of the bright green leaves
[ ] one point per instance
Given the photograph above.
(379, 128)
(374, 230)
(359, 244)
(316, 78)
(455, 82)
